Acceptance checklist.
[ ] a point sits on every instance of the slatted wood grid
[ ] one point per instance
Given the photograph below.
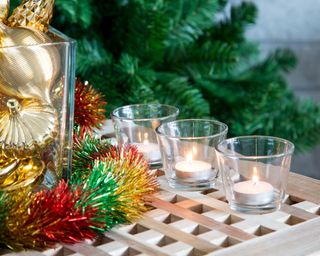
(201, 223)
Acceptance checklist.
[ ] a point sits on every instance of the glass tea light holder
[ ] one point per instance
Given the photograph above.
(188, 154)
(136, 124)
(254, 172)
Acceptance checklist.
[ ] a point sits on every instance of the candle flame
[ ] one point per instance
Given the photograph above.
(145, 141)
(194, 150)
(255, 177)
(189, 157)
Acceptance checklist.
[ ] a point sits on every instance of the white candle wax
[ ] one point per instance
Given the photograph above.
(150, 151)
(193, 170)
(253, 192)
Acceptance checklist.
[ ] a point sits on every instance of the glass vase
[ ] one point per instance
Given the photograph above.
(36, 111)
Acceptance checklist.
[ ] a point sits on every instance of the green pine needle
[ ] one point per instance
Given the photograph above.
(180, 53)
(76, 13)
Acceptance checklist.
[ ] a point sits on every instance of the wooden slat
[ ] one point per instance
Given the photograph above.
(302, 214)
(295, 211)
(297, 241)
(135, 243)
(304, 187)
(86, 250)
(223, 206)
(201, 219)
(178, 235)
(25, 253)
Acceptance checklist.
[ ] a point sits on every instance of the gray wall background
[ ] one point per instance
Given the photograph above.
(294, 24)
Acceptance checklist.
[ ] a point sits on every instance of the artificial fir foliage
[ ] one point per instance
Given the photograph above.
(179, 53)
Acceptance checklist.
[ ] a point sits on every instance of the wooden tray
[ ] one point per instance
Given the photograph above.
(201, 223)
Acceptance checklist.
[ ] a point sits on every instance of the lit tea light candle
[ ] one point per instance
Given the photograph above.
(150, 151)
(253, 192)
(193, 170)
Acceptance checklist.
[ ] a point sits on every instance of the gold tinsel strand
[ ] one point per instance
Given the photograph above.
(135, 182)
(19, 202)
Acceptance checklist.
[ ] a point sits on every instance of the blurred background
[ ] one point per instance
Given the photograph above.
(294, 24)
(194, 54)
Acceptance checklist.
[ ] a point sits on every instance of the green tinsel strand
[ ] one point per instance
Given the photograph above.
(127, 167)
(98, 190)
(84, 151)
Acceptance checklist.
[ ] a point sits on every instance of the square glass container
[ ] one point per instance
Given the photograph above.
(36, 108)
(136, 124)
(188, 154)
(254, 172)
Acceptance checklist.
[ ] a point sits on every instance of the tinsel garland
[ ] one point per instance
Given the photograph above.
(130, 169)
(89, 108)
(107, 187)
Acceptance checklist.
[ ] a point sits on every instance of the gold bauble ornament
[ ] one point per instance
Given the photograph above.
(4, 9)
(29, 65)
(32, 13)
(26, 127)
(15, 174)
(7, 165)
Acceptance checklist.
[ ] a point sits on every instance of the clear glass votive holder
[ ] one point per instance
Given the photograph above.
(136, 124)
(254, 172)
(188, 154)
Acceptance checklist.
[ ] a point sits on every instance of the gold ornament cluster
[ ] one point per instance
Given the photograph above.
(29, 67)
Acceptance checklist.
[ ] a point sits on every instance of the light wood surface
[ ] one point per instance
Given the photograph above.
(284, 242)
(304, 188)
(194, 241)
(201, 223)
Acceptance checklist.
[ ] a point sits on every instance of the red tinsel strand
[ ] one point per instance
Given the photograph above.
(89, 111)
(52, 216)
(128, 152)
(71, 225)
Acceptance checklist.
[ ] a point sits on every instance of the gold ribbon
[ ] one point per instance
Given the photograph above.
(4, 9)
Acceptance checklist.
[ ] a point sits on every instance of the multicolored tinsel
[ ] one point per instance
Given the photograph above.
(130, 169)
(69, 213)
(89, 108)
(107, 187)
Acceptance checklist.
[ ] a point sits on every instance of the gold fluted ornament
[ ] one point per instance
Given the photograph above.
(32, 13)
(26, 127)
(15, 174)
